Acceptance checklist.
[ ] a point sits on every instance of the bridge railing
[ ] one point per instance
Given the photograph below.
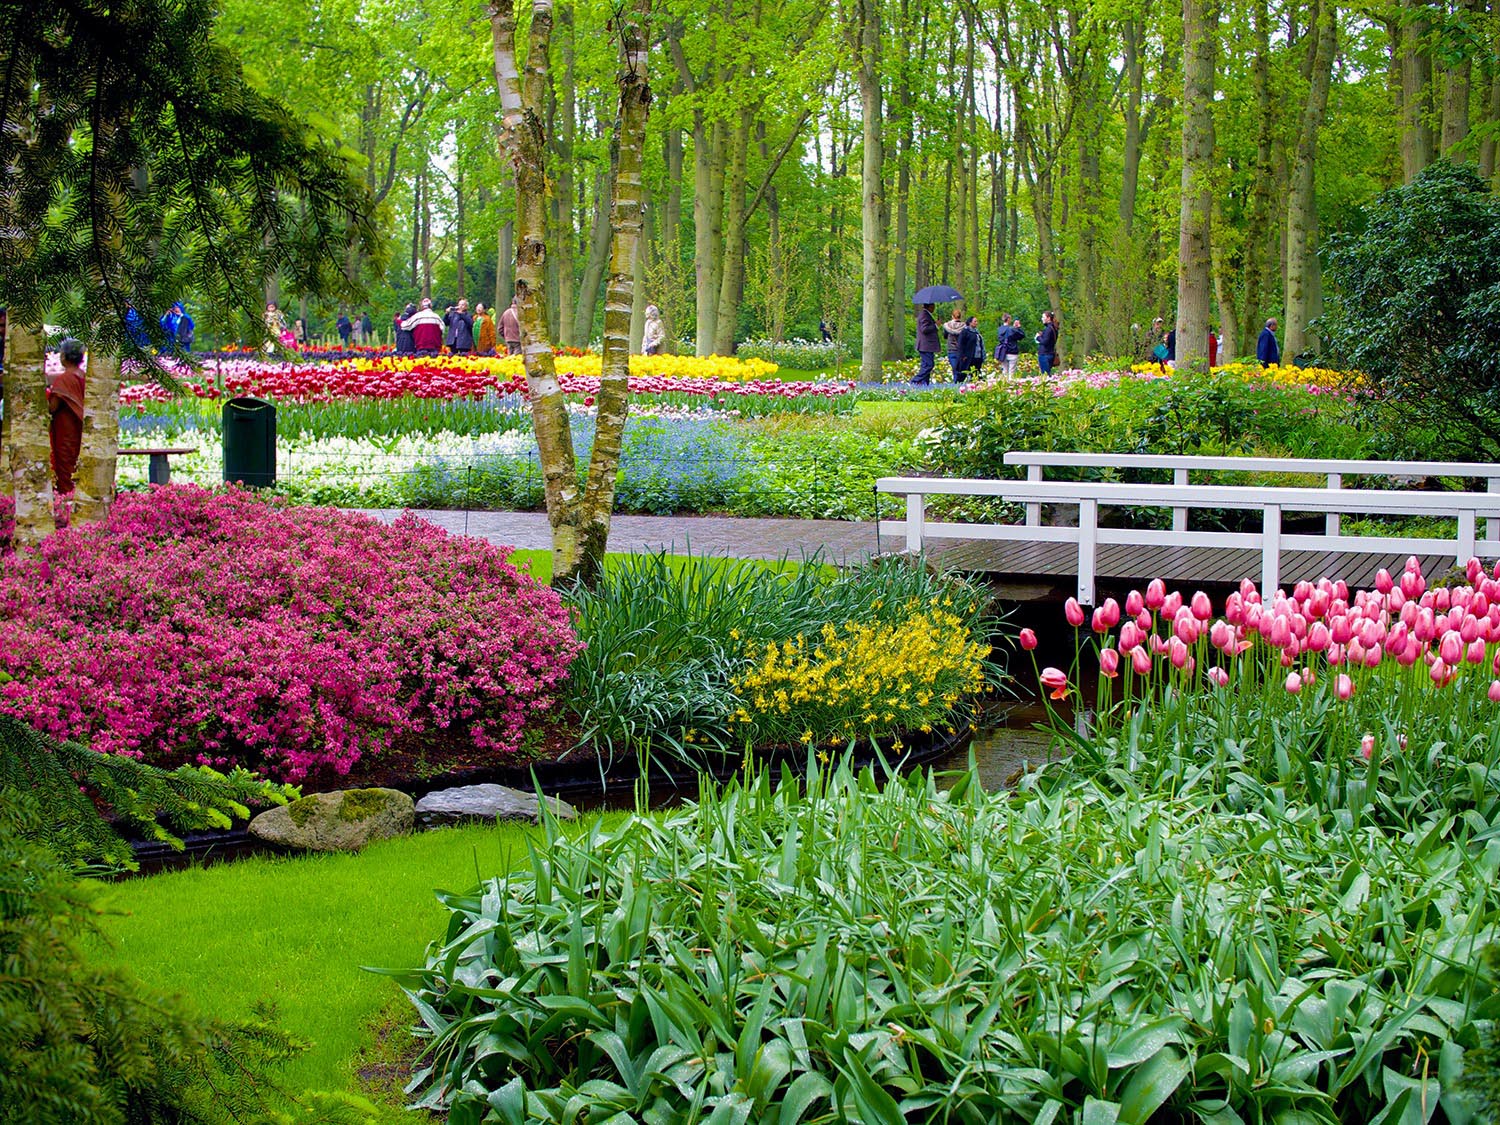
(1182, 466)
(1272, 503)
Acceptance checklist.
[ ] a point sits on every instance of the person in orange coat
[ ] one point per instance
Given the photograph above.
(65, 403)
(484, 331)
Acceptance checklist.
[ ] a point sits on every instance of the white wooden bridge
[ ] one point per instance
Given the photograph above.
(1128, 551)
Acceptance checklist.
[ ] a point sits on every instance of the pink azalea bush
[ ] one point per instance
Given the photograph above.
(224, 629)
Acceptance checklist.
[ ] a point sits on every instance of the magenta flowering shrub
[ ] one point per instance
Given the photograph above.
(221, 628)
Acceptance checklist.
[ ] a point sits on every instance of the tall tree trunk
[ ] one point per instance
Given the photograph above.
(416, 233)
(1302, 208)
(1456, 88)
(626, 220)
(525, 144)
(716, 176)
(900, 295)
(1133, 43)
(459, 233)
(426, 244)
(28, 445)
(1194, 260)
(1416, 90)
(94, 491)
(1258, 244)
(732, 271)
(872, 215)
(566, 232)
(638, 298)
(706, 295)
(1487, 146)
(505, 268)
(593, 272)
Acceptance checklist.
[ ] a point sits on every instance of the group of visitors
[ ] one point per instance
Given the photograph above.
(359, 329)
(177, 328)
(421, 330)
(966, 349)
(1164, 351)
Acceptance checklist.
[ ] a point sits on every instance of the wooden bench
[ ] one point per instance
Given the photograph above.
(158, 470)
(1089, 497)
(1182, 466)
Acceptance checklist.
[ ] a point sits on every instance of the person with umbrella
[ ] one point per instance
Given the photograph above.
(928, 338)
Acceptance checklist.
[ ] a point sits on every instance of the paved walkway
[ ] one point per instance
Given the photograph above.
(729, 536)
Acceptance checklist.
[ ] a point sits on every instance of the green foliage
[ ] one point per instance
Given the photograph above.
(824, 474)
(138, 159)
(900, 953)
(1415, 305)
(665, 640)
(74, 784)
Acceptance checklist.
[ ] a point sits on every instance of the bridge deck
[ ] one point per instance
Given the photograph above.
(1137, 564)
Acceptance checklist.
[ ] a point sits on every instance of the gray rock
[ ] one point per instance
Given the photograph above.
(487, 802)
(337, 822)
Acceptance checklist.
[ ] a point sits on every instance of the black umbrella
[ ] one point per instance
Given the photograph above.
(933, 294)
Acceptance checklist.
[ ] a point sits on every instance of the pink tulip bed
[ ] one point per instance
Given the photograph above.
(1382, 702)
(222, 629)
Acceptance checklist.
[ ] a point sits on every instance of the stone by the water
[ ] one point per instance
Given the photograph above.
(487, 802)
(344, 821)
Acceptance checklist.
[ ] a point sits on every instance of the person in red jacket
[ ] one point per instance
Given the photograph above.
(426, 329)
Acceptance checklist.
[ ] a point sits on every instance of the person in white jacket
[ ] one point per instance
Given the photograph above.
(426, 329)
(656, 332)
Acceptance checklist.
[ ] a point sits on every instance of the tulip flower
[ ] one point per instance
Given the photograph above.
(1177, 653)
(1367, 746)
(1441, 674)
(1028, 640)
(1221, 635)
(1056, 681)
(1140, 660)
(1073, 612)
(1098, 622)
(1475, 653)
(1494, 692)
(1294, 683)
(1202, 608)
(1130, 636)
(1109, 662)
(1171, 604)
(1134, 603)
(1343, 687)
(1156, 594)
(1218, 676)
(1451, 648)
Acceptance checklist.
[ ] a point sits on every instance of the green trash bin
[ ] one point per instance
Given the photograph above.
(250, 442)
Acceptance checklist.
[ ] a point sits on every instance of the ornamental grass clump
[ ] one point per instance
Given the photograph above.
(224, 629)
(859, 951)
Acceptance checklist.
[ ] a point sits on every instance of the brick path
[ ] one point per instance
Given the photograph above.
(839, 540)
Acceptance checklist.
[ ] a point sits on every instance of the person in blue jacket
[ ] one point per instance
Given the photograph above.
(1267, 350)
(168, 324)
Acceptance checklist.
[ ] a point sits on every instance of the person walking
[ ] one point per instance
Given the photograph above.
(655, 333)
(345, 327)
(168, 324)
(971, 350)
(510, 329)
(953, 330)
(1267, 350)
(405, 345)
(927, 346)
(276, 329)
(426, 329)
(1046, 343)
(186, 330)
(460, 325)
(823, 328)
(1013, 337)
(367, 326)
(65, 404)
(484, 331)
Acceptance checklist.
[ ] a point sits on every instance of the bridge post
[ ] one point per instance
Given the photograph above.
(1088, 545)
(1465, 536)
(1179, 515)
(916, 512)
(1331, 520)
(1270, 550)
(1034, 510)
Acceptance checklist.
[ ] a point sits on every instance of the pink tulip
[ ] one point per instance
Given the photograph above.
(1440, 672)
(1302, 591)
(1073, 612)
(1130, 636)
(1172, 604)
(1425, 626)
(1140, 660)
(1480, 606)
(1134, 603)
(1143, 621)
(1111, 611)
(1318, 604)
(1028, 640)
(1343, 687)
(1202, 608)
(1383, 581)
(1451, 648)
(1341, 590)
(1218, 677)
(1109, 662)
(1474, 571)
(1475, 653)
(1056, 681)
(1221, 635)
(1318, 638)
(1294, 683)
(1185, 627)
(1367, 746)
(1281, 632)
(1177, 653)
(1494, 691)
(1156, 594)
(1234, 609)
(1470, 628)
(1097, 622)
(1441, 599)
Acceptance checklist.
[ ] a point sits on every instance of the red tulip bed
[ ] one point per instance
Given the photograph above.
(222, 629)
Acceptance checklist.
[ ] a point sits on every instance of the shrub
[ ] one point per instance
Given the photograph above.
(223, 629)
(900, 953)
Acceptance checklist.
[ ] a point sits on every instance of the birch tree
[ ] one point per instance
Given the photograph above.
(1199, 35)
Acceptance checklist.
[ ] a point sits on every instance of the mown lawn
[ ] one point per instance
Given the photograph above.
(298, 933)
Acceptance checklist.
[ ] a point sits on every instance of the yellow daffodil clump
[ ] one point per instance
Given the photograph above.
(860, 680)
(1284, 374)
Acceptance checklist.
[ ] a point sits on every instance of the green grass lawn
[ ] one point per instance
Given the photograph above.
(297, 932)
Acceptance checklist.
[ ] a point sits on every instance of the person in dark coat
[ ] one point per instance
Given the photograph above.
(1046, 343)
(927, 345)
(460, 325)
(970, 350)
(1267, 350)
(65, 404)
(368, 327)
(346, 328)
(405, 345)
